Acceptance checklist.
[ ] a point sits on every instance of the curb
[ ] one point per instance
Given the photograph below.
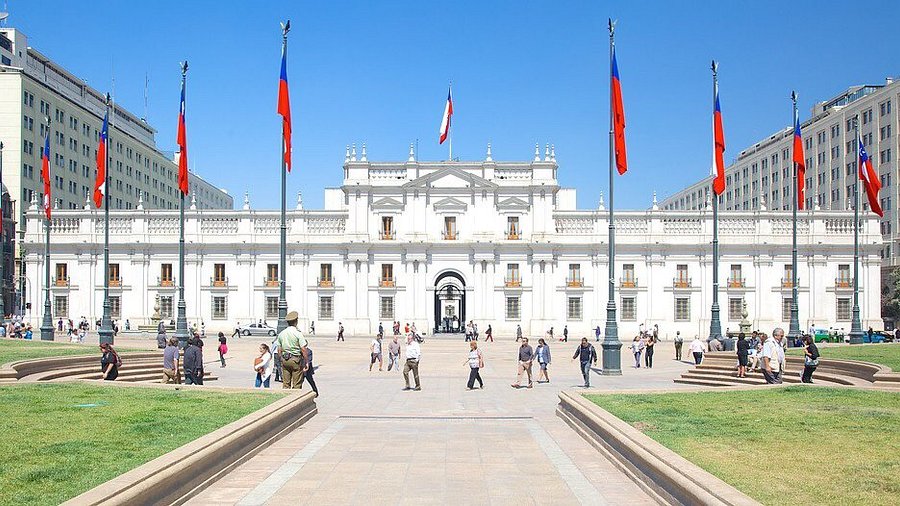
(667, 476)
(176, 477)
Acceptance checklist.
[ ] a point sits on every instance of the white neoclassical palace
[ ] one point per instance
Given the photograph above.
(433, 243)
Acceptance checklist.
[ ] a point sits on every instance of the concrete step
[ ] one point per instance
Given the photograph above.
(732, 380)
(702, 382)
(154, 377)
(790, 375)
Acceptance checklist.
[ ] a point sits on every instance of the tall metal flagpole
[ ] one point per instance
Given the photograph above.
(181, 326)
(2, 245)
(715, 326)
(449, 127)
(612, 359)
(856, 330)
(794, 329)
(107, 335)
(282, 296)
(47, 323)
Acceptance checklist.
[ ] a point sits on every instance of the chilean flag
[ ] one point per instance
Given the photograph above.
(45, 172)
(799, 160)
(445, 121)
(182, 146)
(284, 108)
(869, 179)
(100, 183)
(719, 146)
(618, 111)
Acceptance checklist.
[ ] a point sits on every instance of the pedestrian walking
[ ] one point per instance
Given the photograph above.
(109, 362)
(310, 372)
(161, 339)
(648, 350)
(469, 331)
(380, 329)
(340, 336)
(375, 350)
(276, 358)
(542, 354)
(294, 353)
(394, 353)
(637, 348)
(193, 362)
(263, 365)
(773, 358)
(811, 360)
(312, 328)
(518, 333)
(679, 342)
(475, 361)
(586, 355)
(223, 348)
(489, 334)
(597, 333)
(743, 354)
(170, 362)
(566, 334)
(413, 356)
(526, 357)
(697, 349)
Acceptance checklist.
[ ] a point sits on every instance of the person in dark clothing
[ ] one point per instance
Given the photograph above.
(109, 362)
(223, 348)
(310, 371)
(648, 350)
(587, 355)
(489, 334)
(193, 362)
(811, 361)
(566, 334)
(161, 339)
(743, 351)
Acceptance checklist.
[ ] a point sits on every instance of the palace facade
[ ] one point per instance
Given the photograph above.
(500, 243)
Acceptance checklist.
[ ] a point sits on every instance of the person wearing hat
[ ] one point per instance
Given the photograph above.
(294, 354)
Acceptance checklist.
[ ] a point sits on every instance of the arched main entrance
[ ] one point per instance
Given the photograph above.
(449, 303)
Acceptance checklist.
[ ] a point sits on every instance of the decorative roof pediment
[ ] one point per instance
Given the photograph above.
(450, 204)
(513, 204)
(451, 177)
(387, 204)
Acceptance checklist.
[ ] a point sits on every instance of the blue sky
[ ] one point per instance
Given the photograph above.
(523, 72)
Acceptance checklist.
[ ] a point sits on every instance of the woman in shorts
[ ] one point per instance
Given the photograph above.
(542, 353)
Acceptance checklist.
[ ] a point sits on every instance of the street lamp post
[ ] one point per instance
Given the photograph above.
(2, 246)
(181, 327)
(107, 334)
(282, 297)
(856, 330)
(47, 322)
(794, 328)
(715, 325)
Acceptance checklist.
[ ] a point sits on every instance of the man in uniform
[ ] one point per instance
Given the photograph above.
(294, 354)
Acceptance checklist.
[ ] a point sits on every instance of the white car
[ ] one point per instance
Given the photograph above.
(256, 329)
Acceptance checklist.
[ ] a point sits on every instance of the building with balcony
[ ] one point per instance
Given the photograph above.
(451, 258)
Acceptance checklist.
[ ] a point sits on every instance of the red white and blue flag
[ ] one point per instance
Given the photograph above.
(45, 172)
(618, 111)
(100, 182)
(799, 161)
(182, 147)
(869, 178)
(445, 120)
(284, 108)
(718, 145)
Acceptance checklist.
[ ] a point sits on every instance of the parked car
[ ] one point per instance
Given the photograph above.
(878, 336)
(823, 335)
(256, 329)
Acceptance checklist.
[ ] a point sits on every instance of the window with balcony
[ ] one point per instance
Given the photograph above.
(165, 306)
(735, 307)
(271, 307)
(61, 305)
(387, 227)
(115, 306)
(325, 277)
(843, 310)
(512, 275)
(512, 228)
(165, 275)
(513, 308)
(387, 275)
(629, 309)
(681, 276)
(574, 279)
(450, 231)
(736, 279)
(628, 280)
(787, 280)
(326, 308)
(219, 308)
(272, 275)
(219, 278)
(114, 278)
(682, 309)
(62, 275)
(843, 279)
(573, 309)
(386, 308)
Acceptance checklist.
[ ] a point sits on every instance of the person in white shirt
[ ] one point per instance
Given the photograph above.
(697, 349)
(413, 355)
(263, 364)
(375, 349)
(773, 357)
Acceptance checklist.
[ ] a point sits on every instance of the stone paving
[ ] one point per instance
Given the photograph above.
(374, 443)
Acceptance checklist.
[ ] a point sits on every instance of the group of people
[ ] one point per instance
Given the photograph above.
(16, 328)
(585, 353)
(75, 334)
(767, 354)
(644, 344)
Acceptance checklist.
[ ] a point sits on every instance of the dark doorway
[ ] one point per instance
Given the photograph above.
(449, 303)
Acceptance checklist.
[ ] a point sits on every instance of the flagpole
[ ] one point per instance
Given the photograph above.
(181, 326)
(47, 323)
(282, 296)
(794, 328)
(2, 247)
(107, 335)
(715, 326)
(449, 124)
(856, 330)
(612, 359)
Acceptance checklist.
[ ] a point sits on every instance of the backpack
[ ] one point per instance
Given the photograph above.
(118, 360)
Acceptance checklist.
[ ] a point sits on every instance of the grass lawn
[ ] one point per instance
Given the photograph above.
(883, 354)
(823, 445)
(12, 350)
(63, 439)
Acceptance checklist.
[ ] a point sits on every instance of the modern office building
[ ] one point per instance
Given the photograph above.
(34, 89)
(438, 243)
(761, 175)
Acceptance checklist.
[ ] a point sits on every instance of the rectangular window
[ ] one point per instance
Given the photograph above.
(682, 309)
(843, 280)
(326, 308)
(115, 306)
(219, 309)
(165, 307)
(735, 306)
(165, 275)
(512, 227)
(387, 275)
(272, 275)
(512, 275)
(681, 276)
(114, 278)
(513, 309)
(737, 279)
(628, 279)
(574, 275)
(573, 309)
(61, 306)
(450, 228)
(387, 227)
(62, 275)
(787, 281)
(629, 309)
(843, 309)
(219, 275)
(386, 308)
(325, 278)
(271, 307)
(786, 309)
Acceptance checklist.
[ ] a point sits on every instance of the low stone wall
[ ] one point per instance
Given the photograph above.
(22, 368)
(877, 374)
(176, 477)
(671, 478)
